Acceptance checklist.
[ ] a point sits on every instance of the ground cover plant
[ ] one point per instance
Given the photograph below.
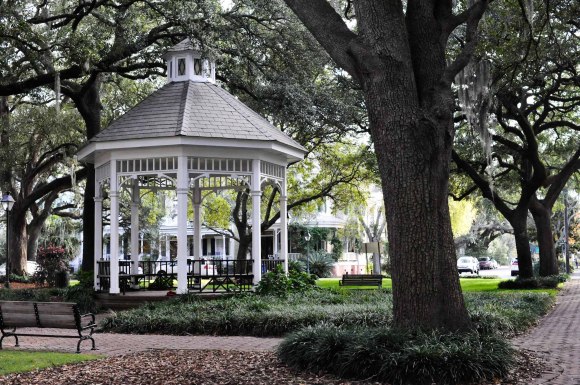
(398, 356)
(20, 361)
(276, 316)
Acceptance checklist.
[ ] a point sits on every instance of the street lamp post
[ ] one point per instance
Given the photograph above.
(307, 239)
(7, 203)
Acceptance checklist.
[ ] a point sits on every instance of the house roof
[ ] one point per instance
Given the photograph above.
(193, 109)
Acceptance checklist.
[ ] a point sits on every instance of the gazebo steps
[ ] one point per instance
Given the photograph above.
(134, 299)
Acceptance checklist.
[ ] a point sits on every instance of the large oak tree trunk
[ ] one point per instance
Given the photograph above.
(543, 220)
(414, 159)
(519, 223)
(18, 242)
(88, 102)
(398, 56)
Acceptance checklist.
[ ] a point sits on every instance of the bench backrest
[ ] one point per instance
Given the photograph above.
(362, 276)
(17, 313)
(62, 315)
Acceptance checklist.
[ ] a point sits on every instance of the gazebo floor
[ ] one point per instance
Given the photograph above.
(133, 299)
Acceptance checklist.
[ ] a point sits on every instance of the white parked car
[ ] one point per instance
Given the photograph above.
(30, 268)
(468, 265)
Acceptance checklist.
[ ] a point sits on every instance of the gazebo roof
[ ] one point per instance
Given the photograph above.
(193, 109)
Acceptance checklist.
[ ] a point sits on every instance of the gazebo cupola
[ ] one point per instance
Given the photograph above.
(191, 137)
(185, 62)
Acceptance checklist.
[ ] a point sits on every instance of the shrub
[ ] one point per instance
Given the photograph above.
(396, 356)
(321, 264)
(276, 282)
(52, 263)
(36, 294)
(550, 282)
(162, 282)
(83, 296)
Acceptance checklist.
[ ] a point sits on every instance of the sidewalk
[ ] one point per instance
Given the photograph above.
(557, 338)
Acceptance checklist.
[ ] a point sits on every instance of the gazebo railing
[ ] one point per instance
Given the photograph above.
(215, 274)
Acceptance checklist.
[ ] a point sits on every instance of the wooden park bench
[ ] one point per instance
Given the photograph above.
(361, 280)
(41, 315)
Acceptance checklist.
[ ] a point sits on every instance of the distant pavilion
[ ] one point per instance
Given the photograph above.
(189, 136)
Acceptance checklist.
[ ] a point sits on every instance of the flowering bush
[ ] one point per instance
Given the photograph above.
(52, 261)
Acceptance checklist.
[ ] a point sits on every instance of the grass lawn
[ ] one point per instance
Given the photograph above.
(21, 361)
(467, 285)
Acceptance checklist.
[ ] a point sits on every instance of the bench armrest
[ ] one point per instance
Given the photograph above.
(89, 315)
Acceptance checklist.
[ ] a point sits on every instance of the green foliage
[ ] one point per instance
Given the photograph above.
(276, 283)
(463, 214)
(162, 282)
(83, 296)
(336, 247)
(550, 282)
(262, 315)
(321, 263)
(37, 294)
(398, 356)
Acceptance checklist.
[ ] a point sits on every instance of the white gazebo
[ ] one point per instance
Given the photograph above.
(190, 135)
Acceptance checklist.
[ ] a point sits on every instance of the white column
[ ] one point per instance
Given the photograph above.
(232, 254)
(197, 248)
(275, 246)
(114, 194)
(135, 228)
(182, 190)
(223, 246)
(168, 243)
(284, 223)
(256, 221)
(98, 233)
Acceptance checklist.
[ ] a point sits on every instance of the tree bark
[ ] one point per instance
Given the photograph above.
(543, 219)
(398, 58)
(518, 220)
(88, 102)
(18, 241)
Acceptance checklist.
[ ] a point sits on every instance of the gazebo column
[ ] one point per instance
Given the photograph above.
(232, 254)
(275, 252)
(197, 248)
(256, 222)
(182, 191)
(168, 246)
(114, 194)
(135, 228)
(98, 250)
(284, 223)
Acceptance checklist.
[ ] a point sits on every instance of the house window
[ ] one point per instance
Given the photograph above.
(171, 69)
(197, 66)
(181, 67)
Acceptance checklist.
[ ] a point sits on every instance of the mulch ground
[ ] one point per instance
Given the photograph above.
(209, 367)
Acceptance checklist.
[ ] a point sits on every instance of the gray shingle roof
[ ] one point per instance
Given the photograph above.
(193, 109)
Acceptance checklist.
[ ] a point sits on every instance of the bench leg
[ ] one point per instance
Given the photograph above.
(9, 335)
(85, 338)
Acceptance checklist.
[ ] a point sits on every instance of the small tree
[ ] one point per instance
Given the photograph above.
(52, 262)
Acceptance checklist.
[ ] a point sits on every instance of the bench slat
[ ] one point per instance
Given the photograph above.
(11, 320)
(57, 321)
(57, 308)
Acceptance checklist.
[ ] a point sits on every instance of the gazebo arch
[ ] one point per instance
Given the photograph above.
(190, 135)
